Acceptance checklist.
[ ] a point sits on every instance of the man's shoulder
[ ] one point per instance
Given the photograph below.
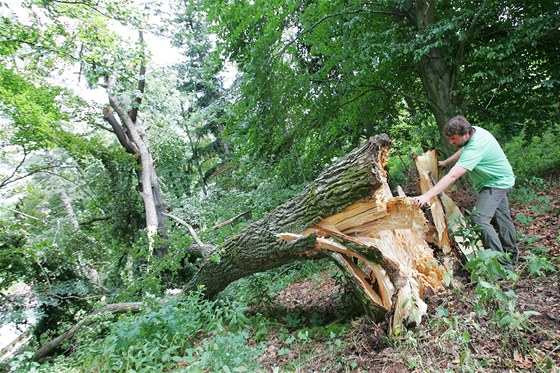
(481, 131)
(482, 136)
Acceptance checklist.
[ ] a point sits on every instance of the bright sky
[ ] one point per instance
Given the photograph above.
(163, 54)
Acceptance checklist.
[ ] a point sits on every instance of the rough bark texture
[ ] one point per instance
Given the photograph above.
(440, 67)
(355, 177)
(438, 76)
(348, 214)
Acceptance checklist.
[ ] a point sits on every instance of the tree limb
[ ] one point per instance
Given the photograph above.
(24, 214)
(104, 127)
(229, 221)
(49, 347)
(119, 131)
(188, 226)
(396, 93)
(339, 14)
(7, 180)
(141, 82)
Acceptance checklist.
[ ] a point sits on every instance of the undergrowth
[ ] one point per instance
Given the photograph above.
(187, 333)
(245, 329)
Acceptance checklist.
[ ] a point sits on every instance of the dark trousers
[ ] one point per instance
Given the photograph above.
(498, 231)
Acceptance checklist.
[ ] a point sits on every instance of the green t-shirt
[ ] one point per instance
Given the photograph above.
(487, 164)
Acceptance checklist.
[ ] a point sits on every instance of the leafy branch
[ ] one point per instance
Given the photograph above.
(328, 16)
(13, 178)
(398, 93)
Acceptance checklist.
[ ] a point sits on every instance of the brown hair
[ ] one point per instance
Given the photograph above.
(458, 125)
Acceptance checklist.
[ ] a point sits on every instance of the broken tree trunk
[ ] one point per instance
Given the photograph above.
(349, 215)
(445, 214)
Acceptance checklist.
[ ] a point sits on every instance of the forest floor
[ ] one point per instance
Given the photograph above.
(453, 336)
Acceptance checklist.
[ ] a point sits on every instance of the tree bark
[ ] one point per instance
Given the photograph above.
(133, 138)
(438, 77)
(147, 176)
(257, 248)
(349, 215)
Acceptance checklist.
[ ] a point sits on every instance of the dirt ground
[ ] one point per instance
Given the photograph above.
(432, 347)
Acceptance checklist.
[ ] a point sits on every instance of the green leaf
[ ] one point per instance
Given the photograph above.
(505, 320)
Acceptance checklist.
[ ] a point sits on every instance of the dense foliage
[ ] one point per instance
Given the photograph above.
(306, 82)
(318, 77)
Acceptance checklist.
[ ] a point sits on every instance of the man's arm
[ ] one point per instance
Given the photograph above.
(451, 160)
(453, 175)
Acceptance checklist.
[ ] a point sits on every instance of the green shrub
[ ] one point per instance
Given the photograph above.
(182, 334)
(527, 192)
(535, 156)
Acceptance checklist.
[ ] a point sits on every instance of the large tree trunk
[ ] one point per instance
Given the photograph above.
(348, 214)
(438, 77)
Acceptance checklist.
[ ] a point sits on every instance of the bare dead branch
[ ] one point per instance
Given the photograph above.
(229, 221)
(49, 347)
(188, 226)
(23, 214)
(104, 127)
(141, 82)
(16, 169)
(21, 177)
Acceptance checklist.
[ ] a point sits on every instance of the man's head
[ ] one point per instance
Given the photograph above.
(458, 130)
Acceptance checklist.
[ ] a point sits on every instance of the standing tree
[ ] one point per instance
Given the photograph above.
(54, 42)
(318, 76)
(133, 137)
(203, 107)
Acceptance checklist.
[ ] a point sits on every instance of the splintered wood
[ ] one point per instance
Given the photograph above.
(446, 215)
(380, 244)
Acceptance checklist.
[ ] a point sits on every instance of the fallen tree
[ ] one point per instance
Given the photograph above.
(383, 244)
(348, 214)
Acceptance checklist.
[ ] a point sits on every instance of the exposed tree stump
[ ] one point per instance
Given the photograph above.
(349, 214)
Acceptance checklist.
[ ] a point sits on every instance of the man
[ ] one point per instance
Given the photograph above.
(482, 157)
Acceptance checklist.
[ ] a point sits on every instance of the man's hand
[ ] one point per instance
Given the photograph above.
(420, 201)
(441, 164)
(455, 173)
